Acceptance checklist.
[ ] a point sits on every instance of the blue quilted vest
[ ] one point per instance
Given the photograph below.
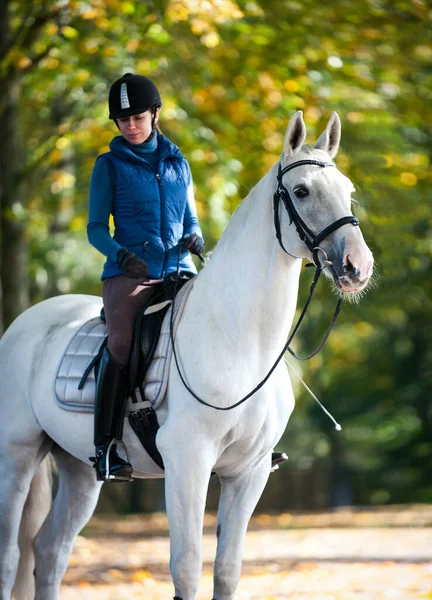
(153, 209)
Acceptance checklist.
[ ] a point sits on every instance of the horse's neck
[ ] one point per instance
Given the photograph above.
(249, 288)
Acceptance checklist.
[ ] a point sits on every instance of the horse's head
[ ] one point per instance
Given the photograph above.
(317, 197)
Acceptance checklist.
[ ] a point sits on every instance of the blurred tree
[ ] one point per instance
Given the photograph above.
(231, 74)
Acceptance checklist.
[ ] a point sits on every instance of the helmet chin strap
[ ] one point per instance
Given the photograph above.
(153, 122)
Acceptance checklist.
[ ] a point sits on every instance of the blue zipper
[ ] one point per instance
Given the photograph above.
(162, 219)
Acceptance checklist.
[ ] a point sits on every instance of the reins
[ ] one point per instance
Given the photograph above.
(312, 242)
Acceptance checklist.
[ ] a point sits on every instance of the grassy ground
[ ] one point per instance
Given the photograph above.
(371, 554)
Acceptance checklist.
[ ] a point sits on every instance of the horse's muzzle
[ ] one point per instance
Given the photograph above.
(352, 274)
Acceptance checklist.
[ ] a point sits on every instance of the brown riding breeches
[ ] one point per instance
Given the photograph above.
(122, 299)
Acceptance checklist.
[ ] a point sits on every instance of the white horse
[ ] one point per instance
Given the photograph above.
(234, 324)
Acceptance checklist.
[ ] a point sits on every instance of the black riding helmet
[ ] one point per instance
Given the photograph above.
(131, 95)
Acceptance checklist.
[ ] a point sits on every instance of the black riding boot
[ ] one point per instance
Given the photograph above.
(108, 423)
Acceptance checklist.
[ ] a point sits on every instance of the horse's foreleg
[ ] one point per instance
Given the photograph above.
(239, 496)
(187, 473)
(73, 506)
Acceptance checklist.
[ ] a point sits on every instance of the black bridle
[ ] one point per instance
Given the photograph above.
(307, 236)
(312, 242)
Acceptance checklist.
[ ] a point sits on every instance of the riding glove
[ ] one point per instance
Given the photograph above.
(194, 243)
(132, 265)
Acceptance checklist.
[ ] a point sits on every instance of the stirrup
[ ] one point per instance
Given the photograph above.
(108, 476)
(278, 458)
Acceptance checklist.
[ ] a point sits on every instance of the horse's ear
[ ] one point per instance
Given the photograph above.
(295, 134)
(330, 138)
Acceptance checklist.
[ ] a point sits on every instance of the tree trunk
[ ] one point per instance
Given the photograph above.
(14, 289)
(13, 264)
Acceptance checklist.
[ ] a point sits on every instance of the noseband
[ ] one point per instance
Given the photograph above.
(307, 236)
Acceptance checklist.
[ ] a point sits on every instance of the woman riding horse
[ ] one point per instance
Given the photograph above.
(145, 183)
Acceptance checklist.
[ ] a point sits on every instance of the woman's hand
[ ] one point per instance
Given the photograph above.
(194, 243)
(132, 265)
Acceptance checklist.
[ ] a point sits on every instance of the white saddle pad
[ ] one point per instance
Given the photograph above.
(85, 345)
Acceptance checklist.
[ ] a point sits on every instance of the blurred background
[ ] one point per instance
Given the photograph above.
(231, 74)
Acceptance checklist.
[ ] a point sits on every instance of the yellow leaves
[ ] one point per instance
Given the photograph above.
(291, 85)
(132, 45)
(199, 26)
(418, 160)
(82, 76)
(273, 142)
(312, 114)
(204, 17)
(409, 179)
(410, 167)
(62, 143)
(210, 39)
(24, 62)
(388, 160)
(78, 224)
(51, 63)
(55, 156)
(128, 8)
(178, 11)
(238, 111)
(273, 96)
(51, 29)
(116, 5)
(297, 102)
(109, 51)
(207, 98)
(69, 32)
(423, 53)
(89, 14)
(355, 117)
(62, 181)
(90, 46)
(265, 80)
(216, 11)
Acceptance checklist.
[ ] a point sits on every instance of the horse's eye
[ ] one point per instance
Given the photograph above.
(301, 192)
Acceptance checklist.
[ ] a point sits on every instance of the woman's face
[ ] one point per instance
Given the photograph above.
(137, 128)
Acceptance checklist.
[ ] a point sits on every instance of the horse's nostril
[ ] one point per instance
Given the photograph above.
(348, 266)
(350, 269)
